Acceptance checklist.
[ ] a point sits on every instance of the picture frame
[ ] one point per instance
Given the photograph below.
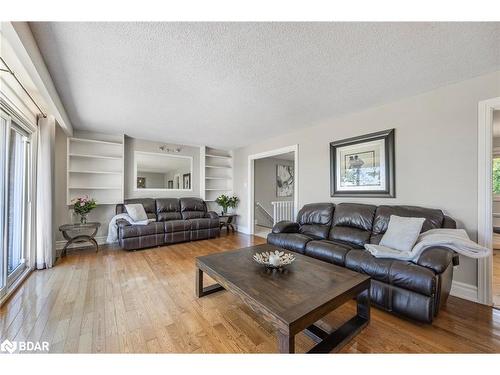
(141, 182)
(284, 180)
(363, 166)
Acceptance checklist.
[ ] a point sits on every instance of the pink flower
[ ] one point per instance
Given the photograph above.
(82, 204)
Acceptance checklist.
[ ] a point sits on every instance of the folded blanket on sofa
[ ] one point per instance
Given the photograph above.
(454, 239)
(113, 228)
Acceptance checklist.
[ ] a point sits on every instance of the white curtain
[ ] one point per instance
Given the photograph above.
(45, 244)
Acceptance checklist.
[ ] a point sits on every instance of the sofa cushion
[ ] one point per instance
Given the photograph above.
(168, 209)
(128, 231)
(315, 219)
(187, 215)
(149, 205)
(433, 218)
(176, 226)
(402, 233)
(192, 208)
(403, 274)
(328, 251)
(136, 212)
(290, 241)
(352, 223)
(205, 223)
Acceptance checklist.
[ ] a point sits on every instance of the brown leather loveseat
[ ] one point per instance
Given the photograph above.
(338, 233)
(177, 220)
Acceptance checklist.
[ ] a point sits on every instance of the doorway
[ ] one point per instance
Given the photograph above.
(488, 290)
(272, 189)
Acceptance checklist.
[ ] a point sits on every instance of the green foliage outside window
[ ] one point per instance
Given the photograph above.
(496, 176)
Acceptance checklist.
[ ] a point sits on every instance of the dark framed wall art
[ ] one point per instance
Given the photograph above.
(363, 166)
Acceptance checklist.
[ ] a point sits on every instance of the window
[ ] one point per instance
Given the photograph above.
(15, 200)
(496, 176)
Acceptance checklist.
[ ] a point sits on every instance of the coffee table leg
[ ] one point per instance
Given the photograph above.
(334, 341)
(363, 305)
(286, 343)
(202, 291)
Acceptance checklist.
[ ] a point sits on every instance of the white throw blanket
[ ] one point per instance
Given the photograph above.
(455, 239)
(113, 228)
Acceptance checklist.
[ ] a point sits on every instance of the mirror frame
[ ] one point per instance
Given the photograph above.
(162, 154)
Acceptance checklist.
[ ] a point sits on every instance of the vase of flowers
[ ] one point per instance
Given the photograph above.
(82, 206)
(226, 202)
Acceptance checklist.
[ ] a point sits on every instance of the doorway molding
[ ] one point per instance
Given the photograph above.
(485, 197)
(251, 166)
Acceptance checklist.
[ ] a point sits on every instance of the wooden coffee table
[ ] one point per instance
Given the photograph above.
(292, 300)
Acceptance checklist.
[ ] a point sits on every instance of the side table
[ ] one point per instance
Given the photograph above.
(76, 235)
(226, 220)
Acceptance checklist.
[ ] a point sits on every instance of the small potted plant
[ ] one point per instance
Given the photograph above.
(226, 201)
(82, 206)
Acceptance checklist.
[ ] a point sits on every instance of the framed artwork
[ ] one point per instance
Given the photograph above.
(186, 181)
(284, 180)
(363, 166)
(170, 184)
(141, 182)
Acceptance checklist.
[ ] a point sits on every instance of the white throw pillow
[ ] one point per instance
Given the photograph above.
(136, 211)
(402, 232)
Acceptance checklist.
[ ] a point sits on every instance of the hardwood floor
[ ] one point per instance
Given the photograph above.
(144, 301)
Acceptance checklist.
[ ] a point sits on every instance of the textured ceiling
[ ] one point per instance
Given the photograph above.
(232, 84)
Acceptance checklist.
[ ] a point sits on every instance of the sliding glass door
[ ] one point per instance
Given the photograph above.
(17, 201)
(15, 198)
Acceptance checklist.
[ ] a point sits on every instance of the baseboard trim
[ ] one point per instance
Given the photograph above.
(464, 291)
(60, 244)
(242, 229)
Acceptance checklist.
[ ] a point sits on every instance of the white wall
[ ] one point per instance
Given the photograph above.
(265, 186)
(436, 154)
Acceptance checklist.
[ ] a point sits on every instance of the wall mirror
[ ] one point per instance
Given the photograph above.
(155, 171)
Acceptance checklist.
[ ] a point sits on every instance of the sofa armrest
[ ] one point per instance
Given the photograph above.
(437, 258)
(122, 223)
(286, 227)
(212, 215)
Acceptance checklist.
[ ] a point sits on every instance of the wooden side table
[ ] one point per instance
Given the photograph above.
(76, 229)
(226, 220)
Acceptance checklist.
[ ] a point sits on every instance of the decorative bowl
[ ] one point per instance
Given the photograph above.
(274, 259)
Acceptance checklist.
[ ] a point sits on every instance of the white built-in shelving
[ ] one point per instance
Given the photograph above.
(218, 175)
(95, 168)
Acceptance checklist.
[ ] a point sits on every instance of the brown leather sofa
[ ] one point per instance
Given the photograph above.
(338, 233)
(177, 220)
